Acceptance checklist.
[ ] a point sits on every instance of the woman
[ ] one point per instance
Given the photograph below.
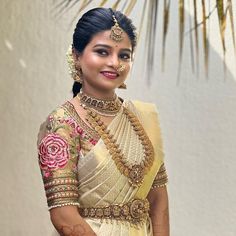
(101, 156)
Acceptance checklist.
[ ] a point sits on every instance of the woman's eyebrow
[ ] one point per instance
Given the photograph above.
(126, 49)
(102, 45)
(109, 47)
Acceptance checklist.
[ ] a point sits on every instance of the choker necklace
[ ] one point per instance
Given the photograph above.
(103, 107)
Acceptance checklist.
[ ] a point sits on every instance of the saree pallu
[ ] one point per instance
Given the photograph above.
(101, 183)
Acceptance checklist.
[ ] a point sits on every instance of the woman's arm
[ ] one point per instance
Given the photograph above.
(68, 222)
(159, 211)
(58, 156)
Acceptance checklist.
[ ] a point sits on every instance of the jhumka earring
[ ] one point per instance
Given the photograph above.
(116, 31)
(76, 73)
(122, 86)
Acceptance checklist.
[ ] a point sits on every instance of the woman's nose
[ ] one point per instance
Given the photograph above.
(114, 61)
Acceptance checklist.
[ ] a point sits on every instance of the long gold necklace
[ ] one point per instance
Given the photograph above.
(103, 107)
(136, 172)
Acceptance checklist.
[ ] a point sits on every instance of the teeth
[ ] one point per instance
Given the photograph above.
(110, 73)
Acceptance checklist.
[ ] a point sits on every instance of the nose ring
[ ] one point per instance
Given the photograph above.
(121, 68)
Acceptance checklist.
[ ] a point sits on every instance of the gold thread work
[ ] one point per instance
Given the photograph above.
(135, 212)
(135, 173)
(61, 191)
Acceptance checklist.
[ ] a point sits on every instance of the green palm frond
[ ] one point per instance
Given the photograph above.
(151, 10)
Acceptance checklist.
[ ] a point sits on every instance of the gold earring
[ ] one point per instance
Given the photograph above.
(76, 73)
(122, 86)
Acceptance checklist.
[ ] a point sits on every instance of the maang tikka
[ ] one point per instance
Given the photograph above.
(116, 31)
(117, 35)
(75, 73)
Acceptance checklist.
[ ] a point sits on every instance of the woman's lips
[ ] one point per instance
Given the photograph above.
(109, 74)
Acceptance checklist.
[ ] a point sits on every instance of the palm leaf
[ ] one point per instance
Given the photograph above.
(191, 41)
(196, 34)
(181, 34)
(130, 7)
(205, 39)
(116, 4)
(151, 36)
(151, 8)
(222, 21)
(165, 29)
(103, 3)
(230, 10)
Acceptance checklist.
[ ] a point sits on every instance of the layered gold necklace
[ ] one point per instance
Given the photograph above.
(109, 107)
(134, 172)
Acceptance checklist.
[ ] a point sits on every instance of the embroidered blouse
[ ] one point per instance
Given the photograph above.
(63, 137)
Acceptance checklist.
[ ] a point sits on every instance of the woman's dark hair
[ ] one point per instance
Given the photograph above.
(95, 21)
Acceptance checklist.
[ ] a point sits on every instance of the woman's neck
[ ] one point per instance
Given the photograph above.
(102, 95)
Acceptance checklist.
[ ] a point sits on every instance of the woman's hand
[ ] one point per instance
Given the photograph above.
(159, 211)
(68, 222)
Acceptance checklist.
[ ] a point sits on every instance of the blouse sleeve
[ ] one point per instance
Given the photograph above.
(58, 152)
(161, 178)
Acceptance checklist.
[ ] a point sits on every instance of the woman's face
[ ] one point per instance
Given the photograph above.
(100, 63)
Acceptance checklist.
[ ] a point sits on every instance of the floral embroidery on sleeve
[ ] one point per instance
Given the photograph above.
(53, 152)
(58, 153)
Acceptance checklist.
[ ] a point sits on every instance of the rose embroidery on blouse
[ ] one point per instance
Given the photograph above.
(53, 152)
(79, 130)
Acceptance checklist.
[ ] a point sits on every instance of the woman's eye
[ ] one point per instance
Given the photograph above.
(125, 56)
(102, 52)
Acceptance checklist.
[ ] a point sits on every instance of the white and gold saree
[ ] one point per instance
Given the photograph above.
(78, 168)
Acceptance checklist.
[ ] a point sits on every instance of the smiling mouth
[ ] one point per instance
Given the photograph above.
(109, 74)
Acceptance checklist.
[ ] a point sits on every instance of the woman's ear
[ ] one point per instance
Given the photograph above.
(75, 55)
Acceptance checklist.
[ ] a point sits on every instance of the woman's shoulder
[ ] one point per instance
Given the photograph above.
(56, 114)
(59, 111)
(54, 118)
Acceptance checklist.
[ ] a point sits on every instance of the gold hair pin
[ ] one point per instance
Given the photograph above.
(116, 31)
(76, 73)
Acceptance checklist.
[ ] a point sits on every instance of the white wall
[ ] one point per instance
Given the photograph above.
(198, 121)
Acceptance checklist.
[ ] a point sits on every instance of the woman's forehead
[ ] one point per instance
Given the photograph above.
(103, 38)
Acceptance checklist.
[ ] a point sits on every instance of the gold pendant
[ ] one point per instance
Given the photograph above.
(136, 175)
